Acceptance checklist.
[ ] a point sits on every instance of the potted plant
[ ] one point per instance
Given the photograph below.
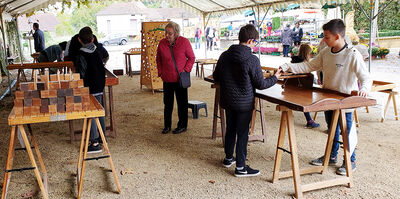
(383, 52)
(375, 52)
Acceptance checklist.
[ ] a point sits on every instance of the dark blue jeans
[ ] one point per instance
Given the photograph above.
(335, 146)
(94, 135)
(237, 124)
(286, 50)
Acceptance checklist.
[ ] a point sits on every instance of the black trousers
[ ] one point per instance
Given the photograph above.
(181, 100)
(237, 124)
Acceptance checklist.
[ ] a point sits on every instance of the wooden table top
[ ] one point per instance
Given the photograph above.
(309, 99)
(111, 78)
(96, 110)
(68, 64)
(133, 51)
(206, 61)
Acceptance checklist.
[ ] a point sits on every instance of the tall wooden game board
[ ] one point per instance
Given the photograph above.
(152, 33)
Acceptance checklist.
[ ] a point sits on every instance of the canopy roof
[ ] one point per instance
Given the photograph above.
(20, 7)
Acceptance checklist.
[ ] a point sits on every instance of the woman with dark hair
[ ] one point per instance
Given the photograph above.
(304, 56)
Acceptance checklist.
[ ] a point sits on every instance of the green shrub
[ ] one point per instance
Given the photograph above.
(375, 51)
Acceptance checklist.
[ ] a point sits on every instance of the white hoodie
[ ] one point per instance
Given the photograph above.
(341, 70)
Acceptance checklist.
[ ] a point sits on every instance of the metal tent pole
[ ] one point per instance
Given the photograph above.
(5, 50)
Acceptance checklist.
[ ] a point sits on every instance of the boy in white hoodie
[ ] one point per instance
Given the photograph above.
(342, 66)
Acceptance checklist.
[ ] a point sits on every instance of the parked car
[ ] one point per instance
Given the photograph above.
(117, 38)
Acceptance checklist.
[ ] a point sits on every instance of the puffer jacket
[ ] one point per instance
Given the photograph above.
(286, 36)
(238, 73)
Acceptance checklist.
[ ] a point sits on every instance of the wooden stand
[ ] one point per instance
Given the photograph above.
(203, 62)
(128, 64)
(221, 117)
(111, 130)
(310, 100)
(152, 34)
(96, 110)
(21, 67)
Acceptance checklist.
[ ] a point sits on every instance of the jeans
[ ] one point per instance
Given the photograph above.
(196, 42)
(286, 50)
(94, 135)
(210, 41)
(181, 99)
(335, 146)
(237, 124)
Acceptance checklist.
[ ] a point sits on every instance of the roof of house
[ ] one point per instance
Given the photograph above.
(46, 21)
(125, 8)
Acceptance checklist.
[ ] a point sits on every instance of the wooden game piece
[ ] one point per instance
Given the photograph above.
(67, 77)
(41, 86)
(31, 86)
(52, 93)
(35, 94)
(19, 94)
(44, 101)
(53, 108)
(44, 109)
(27, 94)
(77, 106)
(85, 91)
(61, 108)
(64, 84)
(18, 103)
(60, 100)
(52, 101)
(35, 80)
(80, 83)
(35, 110)
(19, 111)
(61, 93)
(36, 102)
(77, 99)
(76, 76)
(44, 93)
(53, 78)
(69, 107)
(28, 102)
(54, 85)
(77, 91)
(69, 99)
(73, 84)
(69, 92)
(24, 86)
(27, 110)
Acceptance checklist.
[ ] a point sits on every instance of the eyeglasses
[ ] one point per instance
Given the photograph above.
(255, 41)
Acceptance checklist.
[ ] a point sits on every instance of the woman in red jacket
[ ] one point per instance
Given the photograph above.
(184, 57)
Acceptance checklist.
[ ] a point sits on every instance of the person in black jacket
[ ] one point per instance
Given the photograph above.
(297, 37)
(238, 72)
(91, 67)
(38, 38)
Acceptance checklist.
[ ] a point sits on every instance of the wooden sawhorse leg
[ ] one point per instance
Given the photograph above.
(392, 95)
(10, 158)
(197, 70)
(221, 116)
(83, 154)
(288, 123)
(262, 137)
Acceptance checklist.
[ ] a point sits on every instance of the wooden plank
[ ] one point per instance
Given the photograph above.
(314, 169)
(325, 184)
(381, 85)
(43, 65)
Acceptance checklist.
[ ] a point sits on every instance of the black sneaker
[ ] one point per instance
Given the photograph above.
(95, 148)
(228, 163)
(246, 172)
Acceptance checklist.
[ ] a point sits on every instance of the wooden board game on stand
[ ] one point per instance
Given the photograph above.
(54, 96)
(152, 34)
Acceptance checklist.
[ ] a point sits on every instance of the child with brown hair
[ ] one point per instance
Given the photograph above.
(304, 56)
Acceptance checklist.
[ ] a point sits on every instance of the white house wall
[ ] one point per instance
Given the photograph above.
(119, 24)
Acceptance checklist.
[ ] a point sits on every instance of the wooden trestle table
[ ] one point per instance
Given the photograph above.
(307, 99)
(96, 110)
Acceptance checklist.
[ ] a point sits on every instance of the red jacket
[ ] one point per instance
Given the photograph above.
(184, 58)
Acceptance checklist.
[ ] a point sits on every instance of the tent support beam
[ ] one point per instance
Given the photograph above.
(22, 5)
(382, 9)
(5, 50)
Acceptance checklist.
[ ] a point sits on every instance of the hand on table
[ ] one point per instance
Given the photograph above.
(278, 73)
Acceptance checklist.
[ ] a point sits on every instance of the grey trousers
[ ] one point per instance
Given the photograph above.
(94, 135)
